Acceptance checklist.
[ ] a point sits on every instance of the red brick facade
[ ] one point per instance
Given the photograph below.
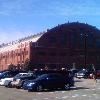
(15, 56)
(16, 52)
(62, 46)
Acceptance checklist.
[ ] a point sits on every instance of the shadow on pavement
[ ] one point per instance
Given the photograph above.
(71, 88)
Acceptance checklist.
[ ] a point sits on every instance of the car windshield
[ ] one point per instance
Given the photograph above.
(82, 71)
(42, 76)
(4, 74)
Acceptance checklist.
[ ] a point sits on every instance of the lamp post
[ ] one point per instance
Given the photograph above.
(85, 47)
(85, 50)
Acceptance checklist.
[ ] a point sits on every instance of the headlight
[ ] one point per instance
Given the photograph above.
(30, 84)
(17, 79)
(82, 74)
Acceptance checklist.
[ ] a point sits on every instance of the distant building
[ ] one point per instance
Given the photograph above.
(64, 46)
(17, 52)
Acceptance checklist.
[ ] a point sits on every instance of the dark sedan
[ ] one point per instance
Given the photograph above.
(47, 81)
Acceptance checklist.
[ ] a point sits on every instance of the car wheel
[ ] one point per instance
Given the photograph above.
(9, 85)
(18, 87)
(30, 90)
(39, 88)
(66, 86)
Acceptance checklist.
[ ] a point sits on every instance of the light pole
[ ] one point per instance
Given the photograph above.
(85, 51)
(85, 47)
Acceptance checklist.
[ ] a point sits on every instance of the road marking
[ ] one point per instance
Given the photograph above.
(64, 97)
(57, 98)
(94, 94)
(51, 92)
(84, 95)
(93, 89)
(46, 98)
(75, 90)
(39, 93)
(76, 95)
(63, 91)
(87, 89)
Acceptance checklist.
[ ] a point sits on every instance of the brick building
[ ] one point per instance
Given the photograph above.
(71, 44)
(16, 52)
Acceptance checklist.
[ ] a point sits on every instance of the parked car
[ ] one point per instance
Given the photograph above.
(98, 73)
(36, 74)
(2, 71)
(74, 71)
(18, 81)
(7, 75)
(7, 83)
(84, 73)
(48, 81)
(65, 73)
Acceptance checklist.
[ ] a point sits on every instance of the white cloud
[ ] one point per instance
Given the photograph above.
(6, 37)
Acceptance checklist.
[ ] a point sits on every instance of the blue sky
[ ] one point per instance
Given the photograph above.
(20, 18)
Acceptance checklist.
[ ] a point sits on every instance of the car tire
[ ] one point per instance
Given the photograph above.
(18, 87)
(39, 88)
(30, 90)
(67, 87)
(9, 85)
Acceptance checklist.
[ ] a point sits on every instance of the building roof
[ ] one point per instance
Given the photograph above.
(15, 44)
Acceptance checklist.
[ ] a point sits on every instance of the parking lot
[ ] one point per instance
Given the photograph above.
(85, 89)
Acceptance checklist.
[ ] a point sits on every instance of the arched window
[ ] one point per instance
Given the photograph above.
(63, 38)
(73, 40)
(90, 40)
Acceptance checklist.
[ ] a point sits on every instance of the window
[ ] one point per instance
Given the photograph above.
(90, 41)
(63, 38)
(73, 40)
(40, 53)
(87, 38)
(52, 54)
(98, 42)
(81, 39)
(63, 54)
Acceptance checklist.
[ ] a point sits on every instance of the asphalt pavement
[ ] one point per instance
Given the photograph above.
(85, 89)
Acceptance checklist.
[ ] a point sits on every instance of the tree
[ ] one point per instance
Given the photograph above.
(28, 66)
(11, 67)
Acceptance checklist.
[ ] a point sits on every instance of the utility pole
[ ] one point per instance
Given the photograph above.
(85, 49)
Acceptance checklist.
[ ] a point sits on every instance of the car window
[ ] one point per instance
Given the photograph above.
(42, 76)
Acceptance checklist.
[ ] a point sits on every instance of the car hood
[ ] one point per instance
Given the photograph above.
(7, 79)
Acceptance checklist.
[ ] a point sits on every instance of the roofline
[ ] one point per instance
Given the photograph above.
(21, 40)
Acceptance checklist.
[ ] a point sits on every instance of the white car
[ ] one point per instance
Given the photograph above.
(4, 80)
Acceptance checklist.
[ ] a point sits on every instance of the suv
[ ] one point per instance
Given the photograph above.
(65, 74)
(83, 73)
